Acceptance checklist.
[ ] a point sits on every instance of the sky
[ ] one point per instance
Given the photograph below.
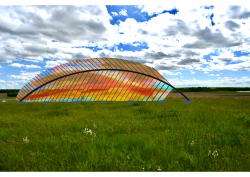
(190, 44)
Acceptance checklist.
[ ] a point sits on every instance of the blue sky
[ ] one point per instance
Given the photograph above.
(190, 45)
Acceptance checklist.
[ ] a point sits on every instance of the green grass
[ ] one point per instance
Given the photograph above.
(143, 136)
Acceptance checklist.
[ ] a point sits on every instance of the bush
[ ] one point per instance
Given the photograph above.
(12, 94)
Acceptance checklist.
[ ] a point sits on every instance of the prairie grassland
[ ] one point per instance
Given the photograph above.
(212, 134)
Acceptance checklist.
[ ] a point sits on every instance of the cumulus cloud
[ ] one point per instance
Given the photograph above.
(175, 42)
(169, 72)
(221, 82)
(237, 12)
(114, 14)
(123, 12)
(24, 76)
(18, 65)
(50, 64)
(231, 25)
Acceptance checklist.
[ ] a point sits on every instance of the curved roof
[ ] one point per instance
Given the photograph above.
(96, 79)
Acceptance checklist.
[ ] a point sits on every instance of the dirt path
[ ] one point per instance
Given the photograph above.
(7, 99)
(194, 94)
(199, 95)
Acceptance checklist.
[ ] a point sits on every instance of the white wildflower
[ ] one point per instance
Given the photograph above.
(209, 152)
(95, 126)
(192, 143)
(26, 140)
(143, 168)
(128, 157)
(215, 153)
(88, 131)
(159, 168)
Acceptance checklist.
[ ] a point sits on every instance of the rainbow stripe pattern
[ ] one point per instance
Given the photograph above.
(96, 79)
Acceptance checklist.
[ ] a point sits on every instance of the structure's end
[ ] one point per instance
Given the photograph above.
(162, 101)
(188, 102)
(46, 102)
(104, 101)
(21, 102)
(74, 102)
(130, 101)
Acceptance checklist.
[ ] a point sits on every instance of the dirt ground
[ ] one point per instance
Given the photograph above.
(194, 94)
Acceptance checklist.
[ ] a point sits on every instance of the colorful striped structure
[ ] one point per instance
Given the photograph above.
(97, 79)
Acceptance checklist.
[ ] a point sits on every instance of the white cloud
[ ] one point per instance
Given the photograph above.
(123, 12)
(18, 65)
(24, 76)
(2, 81)
(217, 75)
(1, 66)
(169, 72)
(12, 84)
(34, 27)
(192, 72)
(50, 64)
(114, 14)
(219, 82)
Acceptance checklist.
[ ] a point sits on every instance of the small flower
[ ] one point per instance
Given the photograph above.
(26, 140)
(143, 168)
(215, 153)
(209, 152)
(95, 126)
(159, 168)
(94, 135)
(128, 157)
(192, 143)
(88, 131)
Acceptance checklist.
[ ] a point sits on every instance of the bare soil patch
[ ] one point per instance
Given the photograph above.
(189, 95)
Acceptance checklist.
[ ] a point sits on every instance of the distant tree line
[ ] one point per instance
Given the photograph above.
(10, 92)
(14, 92)
(205, 89)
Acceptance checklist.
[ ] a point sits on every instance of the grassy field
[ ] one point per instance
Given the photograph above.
(212, 134)
(4, 96)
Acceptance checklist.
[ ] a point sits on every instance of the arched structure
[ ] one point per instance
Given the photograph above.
(97, 79)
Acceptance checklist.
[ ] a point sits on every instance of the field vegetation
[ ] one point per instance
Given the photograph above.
(212, 134)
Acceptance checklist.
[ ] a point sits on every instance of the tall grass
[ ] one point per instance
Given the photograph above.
(212, 134)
